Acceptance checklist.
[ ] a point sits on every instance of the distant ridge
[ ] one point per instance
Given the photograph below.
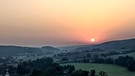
(116, 44)
(49, 48)
(10, 50)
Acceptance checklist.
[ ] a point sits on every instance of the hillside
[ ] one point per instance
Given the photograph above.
(118, 44)
(50, 49)
(112, 49)
(111, 45)
(129, 54)
(18, 50)
(72, 48)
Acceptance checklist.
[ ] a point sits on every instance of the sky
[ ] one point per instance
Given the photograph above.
(65, 22)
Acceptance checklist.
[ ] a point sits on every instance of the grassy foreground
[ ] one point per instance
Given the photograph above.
(112, 70)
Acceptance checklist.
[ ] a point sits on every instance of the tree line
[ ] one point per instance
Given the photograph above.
(126, 61)
(47, 67)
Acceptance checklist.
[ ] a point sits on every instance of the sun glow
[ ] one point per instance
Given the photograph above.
(92, 39)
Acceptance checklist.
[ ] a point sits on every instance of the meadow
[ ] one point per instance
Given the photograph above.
(112, 70)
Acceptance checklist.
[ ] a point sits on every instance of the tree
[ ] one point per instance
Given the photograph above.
(85, 60)
(69, 69)
(96, 56)
(21, 70)
(64, 59)
(131, 64)
(88, 55)
(36, 72)
(80, 73)
(109, 61)
(102, 73)
(99, 60)
(93, 72)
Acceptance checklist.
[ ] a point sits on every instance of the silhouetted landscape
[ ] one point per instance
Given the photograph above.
(83, 60)
(67, 37)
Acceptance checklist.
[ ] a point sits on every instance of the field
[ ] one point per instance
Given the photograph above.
(112, 70)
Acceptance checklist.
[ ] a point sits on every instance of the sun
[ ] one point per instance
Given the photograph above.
(92, 39)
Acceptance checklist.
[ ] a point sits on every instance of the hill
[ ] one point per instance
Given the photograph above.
(18, 50)
(111, 45)
(112, 49)
(118, 44)
(71, 48)
(50, 50)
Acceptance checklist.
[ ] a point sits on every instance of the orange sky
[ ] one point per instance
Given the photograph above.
(65, 22)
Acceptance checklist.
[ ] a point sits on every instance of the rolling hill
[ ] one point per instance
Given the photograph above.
(111, 45)
(50, 50)
(18, 50)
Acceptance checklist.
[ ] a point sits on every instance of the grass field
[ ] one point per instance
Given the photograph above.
(112, 70)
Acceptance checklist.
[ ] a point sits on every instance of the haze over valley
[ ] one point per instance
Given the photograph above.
(67, 38)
